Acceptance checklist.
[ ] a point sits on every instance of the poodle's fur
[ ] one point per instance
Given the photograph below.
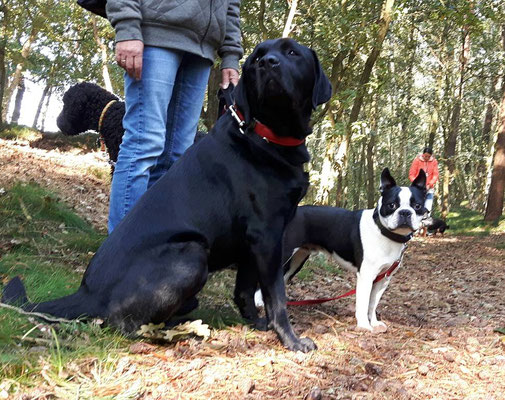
(82, 106)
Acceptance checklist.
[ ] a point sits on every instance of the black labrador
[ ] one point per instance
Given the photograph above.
(226, 201)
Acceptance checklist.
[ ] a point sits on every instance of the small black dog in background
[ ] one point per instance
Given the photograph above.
(87, 106)
(437, 226)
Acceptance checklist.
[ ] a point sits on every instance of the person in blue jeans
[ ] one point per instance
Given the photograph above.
(167, 48)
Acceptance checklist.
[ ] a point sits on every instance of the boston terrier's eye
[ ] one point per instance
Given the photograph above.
(417, 207)
(392, 206)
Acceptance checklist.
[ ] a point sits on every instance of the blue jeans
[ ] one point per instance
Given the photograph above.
(162, 113)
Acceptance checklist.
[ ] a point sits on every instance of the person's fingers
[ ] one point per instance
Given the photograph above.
(129, 57)
(137, 63)
(229, 75)
(129, 66)
(225, 78)
(234, 77)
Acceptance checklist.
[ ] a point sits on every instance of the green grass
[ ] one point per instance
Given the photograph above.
(48, 245)
(50, 140)
(463, 221)
(43, 241)
(13, 131)
(318, 262)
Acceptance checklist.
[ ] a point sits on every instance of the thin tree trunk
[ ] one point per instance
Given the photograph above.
(358, 181)
(406, 108)
(494, 207)
(452, 137)
(211, 113)
(435, 115)
(25, 52)
(45, 108)
(486, 147)
(261, 20)
(288, 27)
(103, 52)
(19, 100)
(384, 23)
(39, 107)
(371, 189)
(3, 70)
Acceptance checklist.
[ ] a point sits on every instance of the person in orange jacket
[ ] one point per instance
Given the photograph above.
(429, 164)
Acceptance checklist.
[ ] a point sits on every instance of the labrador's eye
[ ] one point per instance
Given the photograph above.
(292, 53)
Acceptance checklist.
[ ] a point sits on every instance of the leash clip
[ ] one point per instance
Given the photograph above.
(240, 122)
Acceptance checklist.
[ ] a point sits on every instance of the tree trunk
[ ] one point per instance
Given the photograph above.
(406, 105)
(25, 52)
(46, 107)
(359, 164)
(435, 115)
(452, 136)
(19, 100)
(261, 21)
(494, 207)
(103, 52)
(484, 163)
(371, 190)
(39, 107)
(211, 113)
(3, 70)
(384, 23)
(289, 22)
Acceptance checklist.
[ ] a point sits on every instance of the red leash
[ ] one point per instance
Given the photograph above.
(349, 293)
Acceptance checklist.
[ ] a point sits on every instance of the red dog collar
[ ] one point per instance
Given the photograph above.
(265, 132)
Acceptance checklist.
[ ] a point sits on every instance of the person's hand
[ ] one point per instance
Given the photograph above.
(228, 75)
(129, 57)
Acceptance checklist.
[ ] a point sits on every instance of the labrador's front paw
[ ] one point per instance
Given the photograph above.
(303, 344)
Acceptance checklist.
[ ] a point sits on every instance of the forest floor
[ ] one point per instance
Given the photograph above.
(442, 309)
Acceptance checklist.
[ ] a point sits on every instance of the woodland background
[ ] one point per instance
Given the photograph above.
(405, 74)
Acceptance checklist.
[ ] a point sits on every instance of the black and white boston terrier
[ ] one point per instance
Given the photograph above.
(368, 241)
(436, 225)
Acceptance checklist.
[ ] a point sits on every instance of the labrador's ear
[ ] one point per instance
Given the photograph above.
(321, 92)
(387, 181)
(420, 181)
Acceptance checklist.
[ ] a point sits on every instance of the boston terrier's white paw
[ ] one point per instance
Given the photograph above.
(379, 327)
(258, 299)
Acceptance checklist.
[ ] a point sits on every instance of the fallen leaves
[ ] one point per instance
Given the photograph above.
(181, 331)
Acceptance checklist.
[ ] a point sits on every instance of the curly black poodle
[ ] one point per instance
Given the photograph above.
(87, 106)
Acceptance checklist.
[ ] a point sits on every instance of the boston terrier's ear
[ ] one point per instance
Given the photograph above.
(387, 181)
(420, 181)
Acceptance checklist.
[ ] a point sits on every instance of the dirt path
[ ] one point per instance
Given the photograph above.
(442, 308)
(69, 173)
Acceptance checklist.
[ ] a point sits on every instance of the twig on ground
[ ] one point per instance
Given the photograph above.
(36, 314)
